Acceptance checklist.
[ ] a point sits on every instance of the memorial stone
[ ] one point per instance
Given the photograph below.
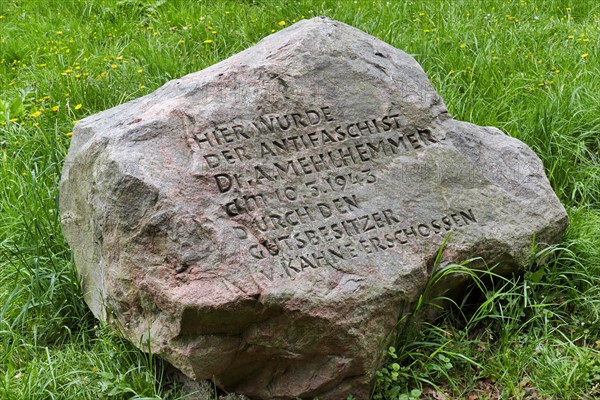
(266, 221)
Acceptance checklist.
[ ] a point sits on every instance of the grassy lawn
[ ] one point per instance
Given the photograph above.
(531, 68)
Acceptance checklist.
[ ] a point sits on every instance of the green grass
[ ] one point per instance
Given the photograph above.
(530, 68)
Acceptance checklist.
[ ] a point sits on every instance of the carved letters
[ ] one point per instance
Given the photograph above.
(289, 179)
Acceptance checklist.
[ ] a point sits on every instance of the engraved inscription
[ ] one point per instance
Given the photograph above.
(292, 180)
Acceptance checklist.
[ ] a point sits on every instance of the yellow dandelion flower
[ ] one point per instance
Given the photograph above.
(36, 114)
(42, 65)
(210, 28)
(214, 32)
(46, 97)
(584, 55)
(119, 58)
(69, 134)
(272, 30)
(2, 17)
(77, 76)
(78, 106)
(281, 23)
(207, 41)
(69, 71)
(557, 71)
(421, 14)
(59, 33)
(181, 41)
(568, 9)
(55, 108)
(585, 40)
(13, 120)
(463, 46)
(114, 66)
(140, 71)
(571, 37)
(227, 12)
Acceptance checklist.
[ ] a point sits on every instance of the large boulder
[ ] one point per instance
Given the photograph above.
(264, 222)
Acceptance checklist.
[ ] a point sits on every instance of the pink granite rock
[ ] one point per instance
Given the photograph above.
(264, 222)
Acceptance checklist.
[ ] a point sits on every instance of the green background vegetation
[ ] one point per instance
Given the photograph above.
(530, 68)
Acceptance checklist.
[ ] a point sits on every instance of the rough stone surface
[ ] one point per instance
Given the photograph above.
(264, 221)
